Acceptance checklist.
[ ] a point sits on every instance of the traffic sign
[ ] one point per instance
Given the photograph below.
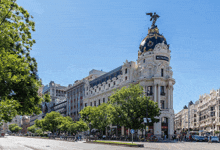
(147, 128)
(132, 131)
(145, 120)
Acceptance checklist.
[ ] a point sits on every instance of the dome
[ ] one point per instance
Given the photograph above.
(151, 40)
(25, 118)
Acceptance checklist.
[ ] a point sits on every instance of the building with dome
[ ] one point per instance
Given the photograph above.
(25, 124)
(152, 71)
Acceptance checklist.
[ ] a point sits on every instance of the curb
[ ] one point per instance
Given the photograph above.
(126, 145)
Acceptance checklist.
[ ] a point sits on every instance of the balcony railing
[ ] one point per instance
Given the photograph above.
(162, 94)
(149, 94)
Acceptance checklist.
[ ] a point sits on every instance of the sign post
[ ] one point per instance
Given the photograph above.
(132, 132)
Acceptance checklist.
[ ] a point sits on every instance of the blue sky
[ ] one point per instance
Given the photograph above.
(75, 36)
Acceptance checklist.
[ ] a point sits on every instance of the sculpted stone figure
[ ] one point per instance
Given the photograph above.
(153, 17)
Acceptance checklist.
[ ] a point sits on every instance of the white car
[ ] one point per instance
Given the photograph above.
(214, 139)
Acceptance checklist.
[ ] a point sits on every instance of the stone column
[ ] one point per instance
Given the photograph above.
(171, 97)
(168, 97)
(157, 129)
(122, 130)
(155, 93)
(158, 96)
(170, 127)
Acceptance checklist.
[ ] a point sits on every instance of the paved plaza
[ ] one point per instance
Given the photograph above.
(23, 143)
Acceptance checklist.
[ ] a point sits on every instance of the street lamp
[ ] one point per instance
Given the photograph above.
(89, 131)
(145, 119)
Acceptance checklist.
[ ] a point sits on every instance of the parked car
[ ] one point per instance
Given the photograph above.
(199, 138)
(214, 138)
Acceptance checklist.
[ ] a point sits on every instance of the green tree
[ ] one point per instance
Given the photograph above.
(32, 129)
(99, 117)
(39, 131)
(19, 81)
(81, 126)
(50, 122)
(130, 105)
(14, 128)
(64, 123)
(87, 114)
(72, 128)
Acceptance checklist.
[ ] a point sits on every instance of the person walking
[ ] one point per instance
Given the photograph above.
(210, 139)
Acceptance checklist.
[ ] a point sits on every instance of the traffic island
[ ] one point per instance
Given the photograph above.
(116, 143)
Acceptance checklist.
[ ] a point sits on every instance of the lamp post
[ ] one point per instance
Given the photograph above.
(145, 121)
(89, 131)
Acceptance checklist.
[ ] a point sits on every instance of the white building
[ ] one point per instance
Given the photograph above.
(152, 71)
(203, 116)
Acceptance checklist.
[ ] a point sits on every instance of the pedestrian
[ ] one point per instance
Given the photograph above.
(210, 139)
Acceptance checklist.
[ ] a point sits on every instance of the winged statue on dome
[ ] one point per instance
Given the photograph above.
(154, 17)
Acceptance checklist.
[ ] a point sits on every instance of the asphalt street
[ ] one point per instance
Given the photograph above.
(24, 143)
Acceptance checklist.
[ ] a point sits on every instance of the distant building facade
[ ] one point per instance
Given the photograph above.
(203, 116)
(57, 94)
(76, 93)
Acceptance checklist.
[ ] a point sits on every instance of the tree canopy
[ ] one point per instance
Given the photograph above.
(19, 81)
(14, 128)
(130, 105)
(50, 122)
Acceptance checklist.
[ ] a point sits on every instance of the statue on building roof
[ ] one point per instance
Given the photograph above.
(154, 17)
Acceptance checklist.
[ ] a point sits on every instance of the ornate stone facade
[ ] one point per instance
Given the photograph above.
(152, 71)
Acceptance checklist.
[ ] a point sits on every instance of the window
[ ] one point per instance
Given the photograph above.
(94, 103)
(161, 72)
(95, 90)
(194, 115)
(99, 89)
(212, 114)
(109, 85)
(212, 108)
(149, 90)
(126, 71)
(103, 100)
(90, 103)
(144, 61)
(126, 78)
(162, 90)
(85, 104)
(99, 101)
(162, 104)
(91, 92)
(114, 82)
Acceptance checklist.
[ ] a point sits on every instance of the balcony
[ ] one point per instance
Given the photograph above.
(162, 94)
(150, 94)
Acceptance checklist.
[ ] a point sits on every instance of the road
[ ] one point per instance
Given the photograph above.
(23, 143)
